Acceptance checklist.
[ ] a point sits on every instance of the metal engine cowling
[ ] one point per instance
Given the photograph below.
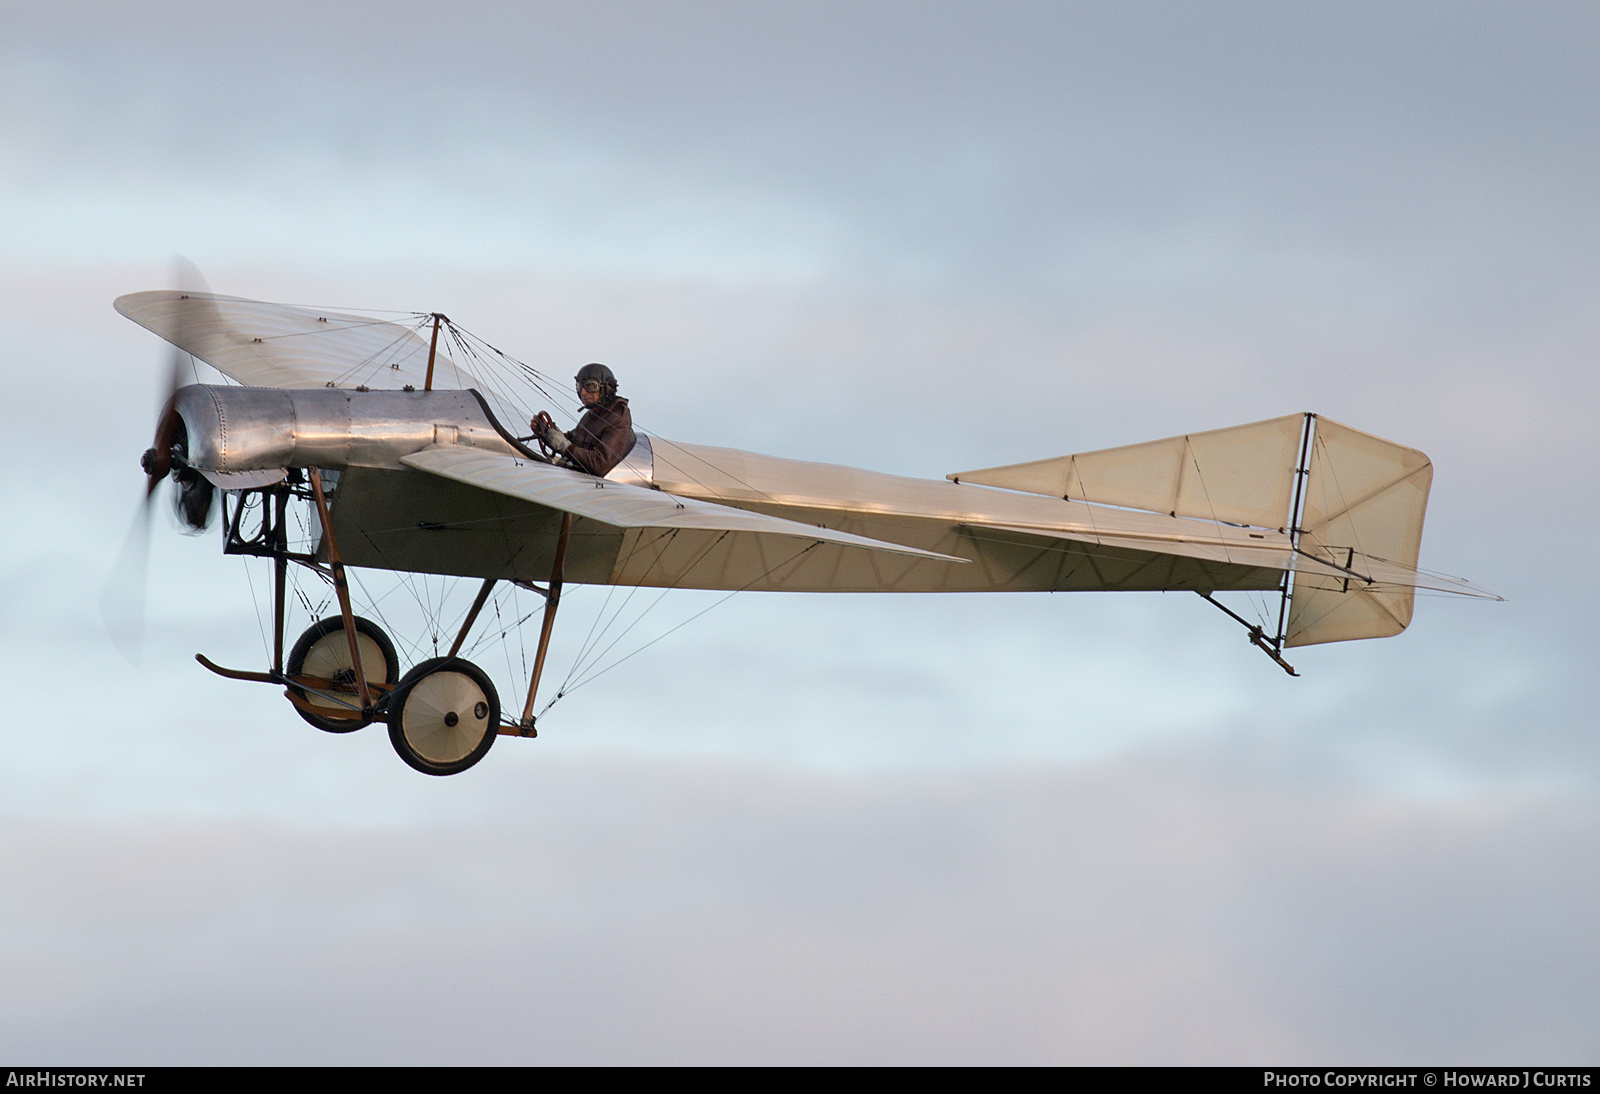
(251, 429)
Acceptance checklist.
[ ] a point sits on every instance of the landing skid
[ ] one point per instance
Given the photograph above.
(1257, 636)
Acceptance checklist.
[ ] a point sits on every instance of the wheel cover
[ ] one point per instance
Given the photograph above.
(330, 654)
(425, 720)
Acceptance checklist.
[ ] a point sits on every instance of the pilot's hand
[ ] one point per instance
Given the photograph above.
(547, 433)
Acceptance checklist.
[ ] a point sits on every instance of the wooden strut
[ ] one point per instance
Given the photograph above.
(433, 346)
(472, 616)
(552, 600)
(280, 573)
(341, 588)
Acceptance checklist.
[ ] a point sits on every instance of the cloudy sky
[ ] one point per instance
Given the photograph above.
(912, 237)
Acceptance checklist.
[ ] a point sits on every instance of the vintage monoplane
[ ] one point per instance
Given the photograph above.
(405, 453)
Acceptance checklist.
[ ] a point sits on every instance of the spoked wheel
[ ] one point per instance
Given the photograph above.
(323, 652)
(444, 716)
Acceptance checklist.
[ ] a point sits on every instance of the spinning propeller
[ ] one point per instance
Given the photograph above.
(122, 601)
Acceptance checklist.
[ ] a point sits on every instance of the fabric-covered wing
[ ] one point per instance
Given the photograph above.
(281, 345)
(700, 524)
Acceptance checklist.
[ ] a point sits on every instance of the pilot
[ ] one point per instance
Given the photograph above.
(603, 436)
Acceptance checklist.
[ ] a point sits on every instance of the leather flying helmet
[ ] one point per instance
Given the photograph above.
(597, 374)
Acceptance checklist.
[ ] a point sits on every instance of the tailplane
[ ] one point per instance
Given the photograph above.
(1352, 506)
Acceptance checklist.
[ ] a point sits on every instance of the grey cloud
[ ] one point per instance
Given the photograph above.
(1130, 913)
(1011, 146)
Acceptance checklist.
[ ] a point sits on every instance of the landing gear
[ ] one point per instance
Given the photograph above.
(343, 672)
(323, 654)
(444, 716)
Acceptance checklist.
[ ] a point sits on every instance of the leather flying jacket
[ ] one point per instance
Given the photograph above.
(602, 437)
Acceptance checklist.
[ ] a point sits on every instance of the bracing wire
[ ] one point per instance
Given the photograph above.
(566, 690)
(586, 646)
(255, 603)
(666, 543)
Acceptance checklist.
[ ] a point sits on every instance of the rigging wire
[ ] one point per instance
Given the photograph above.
(590, 678)
(621, 567)
(502, 377)
(255, 603)
(666, 544)
(1258, 605)
(569, 405)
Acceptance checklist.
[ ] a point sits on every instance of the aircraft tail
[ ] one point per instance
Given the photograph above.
(1362, 508)
(1353, 505)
